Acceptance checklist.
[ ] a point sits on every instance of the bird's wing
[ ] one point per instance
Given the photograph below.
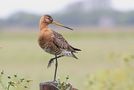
(60, 42)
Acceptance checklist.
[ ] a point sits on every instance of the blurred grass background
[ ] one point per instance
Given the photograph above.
(104, 30)
(21, 54)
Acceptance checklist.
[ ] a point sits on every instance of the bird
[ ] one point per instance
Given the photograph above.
(54, 43)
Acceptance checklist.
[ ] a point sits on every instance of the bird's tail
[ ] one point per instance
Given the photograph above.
(75, 49)
(73, 55)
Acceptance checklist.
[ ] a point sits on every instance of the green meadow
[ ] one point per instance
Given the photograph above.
(103, 50)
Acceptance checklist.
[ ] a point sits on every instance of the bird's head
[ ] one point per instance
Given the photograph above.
(47, 19)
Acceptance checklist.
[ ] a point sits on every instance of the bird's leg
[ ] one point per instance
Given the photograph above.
(56, 66)
(52, 60)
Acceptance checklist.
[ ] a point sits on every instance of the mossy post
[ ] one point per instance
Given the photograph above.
(52, 86)
(48, 86)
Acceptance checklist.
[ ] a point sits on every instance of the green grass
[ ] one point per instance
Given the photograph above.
(21, 54)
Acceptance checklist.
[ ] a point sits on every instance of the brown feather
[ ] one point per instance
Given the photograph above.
(53, 42)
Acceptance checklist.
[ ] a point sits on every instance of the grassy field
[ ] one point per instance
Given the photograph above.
(20, 54)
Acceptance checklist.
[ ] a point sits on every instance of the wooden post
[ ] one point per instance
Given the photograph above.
(48, 86)
(51, 86)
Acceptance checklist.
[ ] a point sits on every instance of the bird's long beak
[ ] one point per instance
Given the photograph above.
(59, 24)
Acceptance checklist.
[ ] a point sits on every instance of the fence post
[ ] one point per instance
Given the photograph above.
(51, 86)
(48, 86)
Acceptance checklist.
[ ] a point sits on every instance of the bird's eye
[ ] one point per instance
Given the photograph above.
(50, 19)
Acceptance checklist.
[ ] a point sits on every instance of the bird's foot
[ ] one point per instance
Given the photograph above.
(50, 62)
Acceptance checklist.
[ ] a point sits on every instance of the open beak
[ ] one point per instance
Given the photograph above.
(59, 24)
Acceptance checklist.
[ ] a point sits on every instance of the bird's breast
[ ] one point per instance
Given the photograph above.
(46, 43)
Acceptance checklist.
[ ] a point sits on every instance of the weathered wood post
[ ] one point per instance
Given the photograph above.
(51, 86)
(48, 86)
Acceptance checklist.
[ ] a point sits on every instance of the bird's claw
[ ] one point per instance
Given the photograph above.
(50, 62)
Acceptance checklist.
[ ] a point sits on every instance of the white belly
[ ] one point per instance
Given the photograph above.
(66, 53)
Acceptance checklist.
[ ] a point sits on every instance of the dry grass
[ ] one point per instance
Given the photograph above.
(21, 54)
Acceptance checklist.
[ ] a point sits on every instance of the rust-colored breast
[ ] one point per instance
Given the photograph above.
(44, 38)
(46, 42)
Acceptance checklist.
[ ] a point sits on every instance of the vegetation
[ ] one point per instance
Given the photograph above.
(119, 78)
(64, 85)
(106, 58)
(7, 82)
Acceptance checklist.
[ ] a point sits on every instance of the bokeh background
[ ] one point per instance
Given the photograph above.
(103, 29)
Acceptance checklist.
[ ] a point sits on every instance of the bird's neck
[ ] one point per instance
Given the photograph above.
(43, 26)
